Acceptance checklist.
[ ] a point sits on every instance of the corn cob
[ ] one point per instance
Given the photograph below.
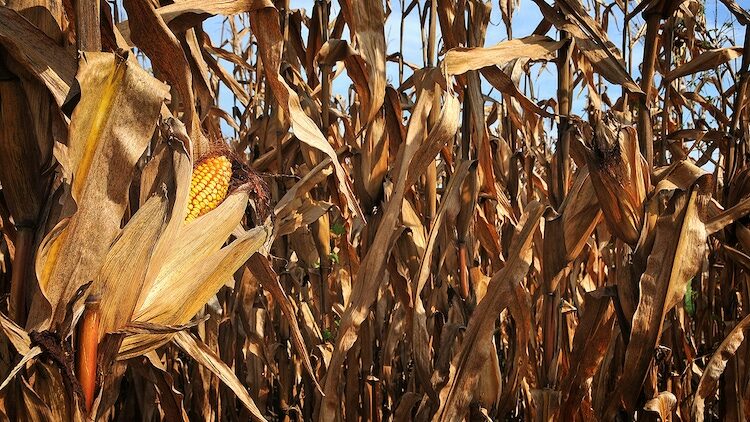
(209, 185)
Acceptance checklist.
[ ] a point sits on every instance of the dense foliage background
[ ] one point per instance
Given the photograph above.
(409, 210)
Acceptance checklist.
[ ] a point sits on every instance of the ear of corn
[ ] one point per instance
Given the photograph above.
(209, 185)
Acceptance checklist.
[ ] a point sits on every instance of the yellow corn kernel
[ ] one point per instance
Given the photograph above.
(209, 185)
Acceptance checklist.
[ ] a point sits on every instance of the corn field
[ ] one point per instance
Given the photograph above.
(374, 210)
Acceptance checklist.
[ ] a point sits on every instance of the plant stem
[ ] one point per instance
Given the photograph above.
(564, 90)
(645, 128)
(88, 31)
(24, 251)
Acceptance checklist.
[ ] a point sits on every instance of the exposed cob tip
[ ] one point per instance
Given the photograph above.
(209, 185)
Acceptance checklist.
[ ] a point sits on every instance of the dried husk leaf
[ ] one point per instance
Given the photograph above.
(620, 177)
(50, 385)
(172, 167)
(175, 297)
(35, 408)
(728, 216)
(296, 209)
(109, 130)
(17, 336)
(580, 215)
(120, 280)
(742, 15)
(27, 357)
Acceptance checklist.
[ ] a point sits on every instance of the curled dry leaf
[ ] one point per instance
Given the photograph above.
(663, 404)
(460, 60)
(591, 41)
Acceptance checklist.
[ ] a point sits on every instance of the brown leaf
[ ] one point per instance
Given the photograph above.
(189, 13)
(677, 255)
(151, 34)
(38, 54)
(707, 60)
(590, 343)
(663, 404)
(17, 336)
(365, 19)
(502, 82)
(460, 60)
(728, 216)
(591, 41)
(27, 357)
(262, 270)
